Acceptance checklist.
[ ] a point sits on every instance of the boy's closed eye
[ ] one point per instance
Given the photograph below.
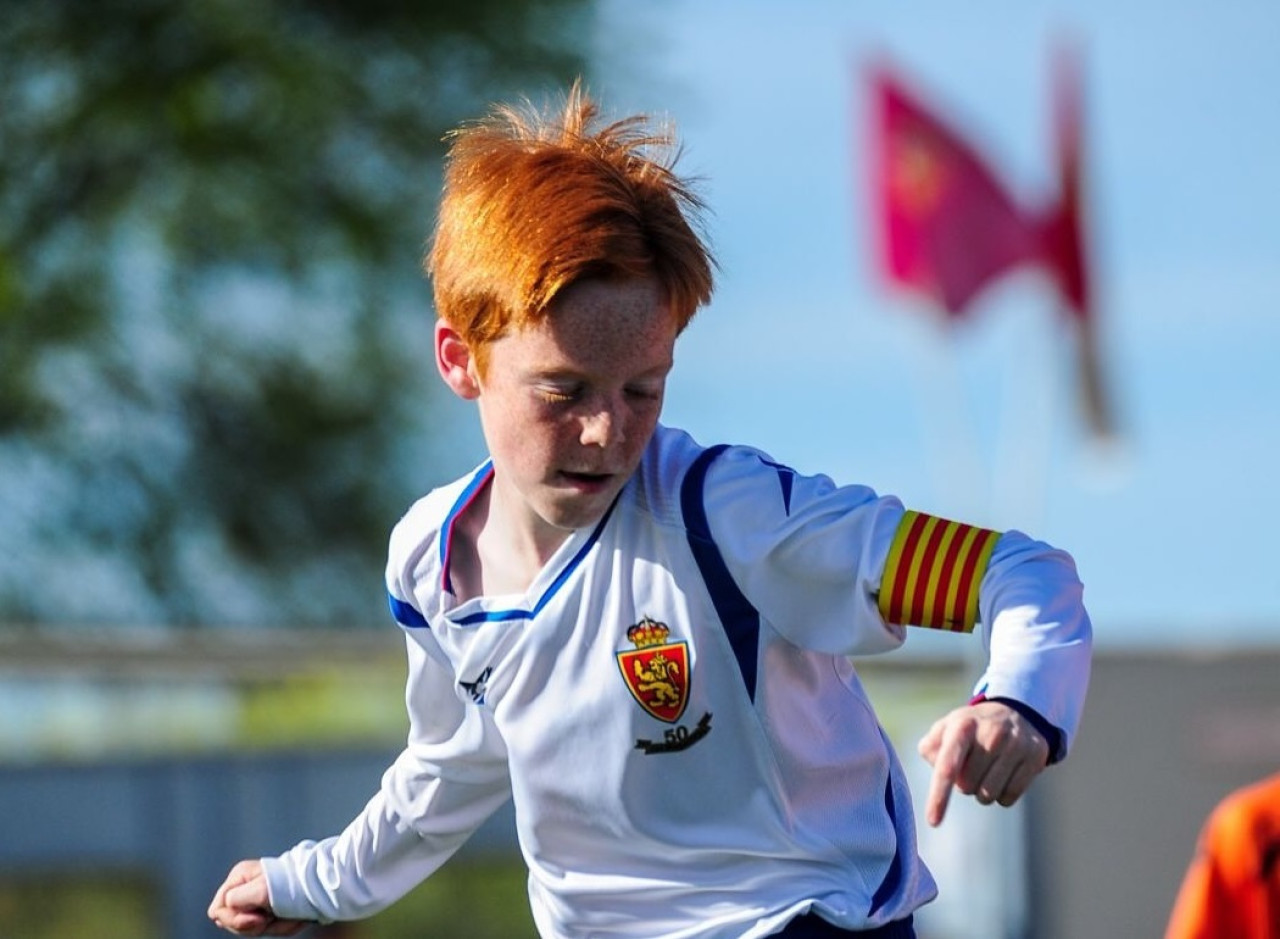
(564, 394)
(644, 392)
(558, 395)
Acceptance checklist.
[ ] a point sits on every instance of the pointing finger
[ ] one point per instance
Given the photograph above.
(953, 751)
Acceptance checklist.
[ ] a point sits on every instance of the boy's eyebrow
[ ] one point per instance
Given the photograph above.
(658, 371)
(556, 373)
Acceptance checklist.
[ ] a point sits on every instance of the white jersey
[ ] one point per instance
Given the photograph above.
(672, 708)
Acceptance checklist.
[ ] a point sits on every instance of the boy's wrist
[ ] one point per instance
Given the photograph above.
(1051, 734)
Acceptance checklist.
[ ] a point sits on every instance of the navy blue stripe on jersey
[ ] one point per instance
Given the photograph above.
(406, 614)
(503, 616)
(893, 876)
(786, 479)
(741, 620)
(813, 926)
(482, 476)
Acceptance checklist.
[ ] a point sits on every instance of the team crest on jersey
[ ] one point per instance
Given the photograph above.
(656, 671)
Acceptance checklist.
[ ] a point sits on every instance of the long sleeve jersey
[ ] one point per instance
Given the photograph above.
(673, 709)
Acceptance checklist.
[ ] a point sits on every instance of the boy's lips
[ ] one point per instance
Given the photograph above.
(593, 480)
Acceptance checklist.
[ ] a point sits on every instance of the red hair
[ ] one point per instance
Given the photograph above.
(534, 202)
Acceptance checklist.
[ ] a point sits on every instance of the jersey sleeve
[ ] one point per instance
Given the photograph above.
(805, 552)
(1037, 632)
(842, 570)
(450, 778)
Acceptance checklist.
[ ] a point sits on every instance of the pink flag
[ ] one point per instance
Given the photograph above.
(947, 226)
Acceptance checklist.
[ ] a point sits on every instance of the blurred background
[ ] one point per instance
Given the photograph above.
(216, 398)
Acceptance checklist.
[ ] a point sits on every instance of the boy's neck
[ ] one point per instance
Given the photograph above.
(491, 555)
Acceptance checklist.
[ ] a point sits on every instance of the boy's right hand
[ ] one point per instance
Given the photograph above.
(242, 906)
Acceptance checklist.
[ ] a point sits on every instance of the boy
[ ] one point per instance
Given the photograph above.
(645, 642)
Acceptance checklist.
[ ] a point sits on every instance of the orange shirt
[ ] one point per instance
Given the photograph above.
(1232, 888)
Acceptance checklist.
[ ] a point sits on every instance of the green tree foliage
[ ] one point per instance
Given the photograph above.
(214, 390)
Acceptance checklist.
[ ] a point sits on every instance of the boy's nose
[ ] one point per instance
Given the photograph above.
(599, 428)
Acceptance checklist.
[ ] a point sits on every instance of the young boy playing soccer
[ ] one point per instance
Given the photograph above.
(644, 642)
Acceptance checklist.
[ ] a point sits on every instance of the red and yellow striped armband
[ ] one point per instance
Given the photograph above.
(931, 577)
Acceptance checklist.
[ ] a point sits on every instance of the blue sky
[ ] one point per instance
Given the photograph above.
(806, 354)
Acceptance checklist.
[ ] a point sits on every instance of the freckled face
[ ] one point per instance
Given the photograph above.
(569, 404)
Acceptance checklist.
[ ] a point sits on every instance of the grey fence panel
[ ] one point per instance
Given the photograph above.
(181, 823)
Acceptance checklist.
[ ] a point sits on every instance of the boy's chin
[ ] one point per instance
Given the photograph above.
(574, 512)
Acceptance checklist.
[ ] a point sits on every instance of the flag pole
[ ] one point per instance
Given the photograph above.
(1094, 398)
(960, 476)
(1024, 438)
(1067, 249)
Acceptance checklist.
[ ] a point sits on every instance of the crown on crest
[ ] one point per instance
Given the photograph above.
(648, 632)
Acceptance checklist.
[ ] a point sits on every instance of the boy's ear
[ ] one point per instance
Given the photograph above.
(455, 362)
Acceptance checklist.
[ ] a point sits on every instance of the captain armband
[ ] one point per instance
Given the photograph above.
(933, 571)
